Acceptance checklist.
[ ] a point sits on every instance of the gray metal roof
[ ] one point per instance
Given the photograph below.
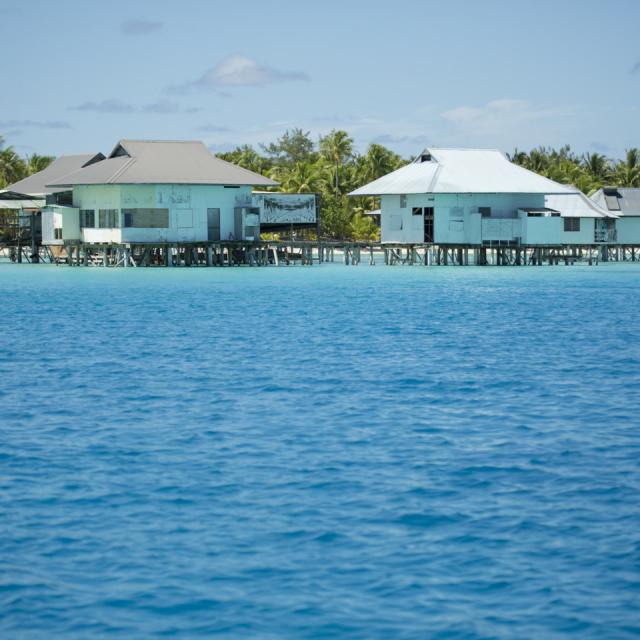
(36, 184)
(13, 200)
(626, 199)
(461, 171)
(163, 162)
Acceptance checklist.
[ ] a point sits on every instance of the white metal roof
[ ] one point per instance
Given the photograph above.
(163, 162)
(461, 171)
(35, 184)
(576, 205)
(626, 198)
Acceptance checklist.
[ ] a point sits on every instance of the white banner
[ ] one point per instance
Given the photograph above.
(286, 208)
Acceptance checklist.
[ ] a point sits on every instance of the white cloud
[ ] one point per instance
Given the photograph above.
(110, 105)
(240, 71)
(115, 105)
(499, 115)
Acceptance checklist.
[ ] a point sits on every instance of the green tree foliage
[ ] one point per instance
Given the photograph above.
(36, 163)
(293, 147)
(364, 228)
(14, 168)
(331, 168)
(588, 172)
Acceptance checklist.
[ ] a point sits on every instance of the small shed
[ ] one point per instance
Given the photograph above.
(624, 203)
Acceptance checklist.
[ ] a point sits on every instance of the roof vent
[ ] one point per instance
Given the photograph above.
(118, 152)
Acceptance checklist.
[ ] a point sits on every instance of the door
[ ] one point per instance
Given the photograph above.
(428, 224)
(213, 224)
(605, 230)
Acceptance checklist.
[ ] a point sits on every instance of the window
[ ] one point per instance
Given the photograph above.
(146, 218)
(87, 219)
(485, 212)
(57, 234)
(108, 218)
(63, 198)
(403, 202)
(612, 202)
(571, 224)
(416, 211)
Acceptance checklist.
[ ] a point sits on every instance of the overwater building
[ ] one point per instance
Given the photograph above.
(156, 192)
(477, 197)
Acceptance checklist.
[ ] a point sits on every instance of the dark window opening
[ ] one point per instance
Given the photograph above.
(108, 219)
(416, 211)
(572, 224)
(87, 219)
(428, 224)
(146, 218)
(57, 234)
(485, 212)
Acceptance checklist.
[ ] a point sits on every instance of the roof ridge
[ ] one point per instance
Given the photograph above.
(162, 141)
(464, 149)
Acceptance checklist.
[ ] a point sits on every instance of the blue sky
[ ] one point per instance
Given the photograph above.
(79, 75)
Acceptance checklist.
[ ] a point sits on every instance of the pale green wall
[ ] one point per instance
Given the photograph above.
(455, 215)
(187, 206)
(628, 228)
(546, 231)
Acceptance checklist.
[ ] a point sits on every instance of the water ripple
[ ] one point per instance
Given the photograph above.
(320, 453)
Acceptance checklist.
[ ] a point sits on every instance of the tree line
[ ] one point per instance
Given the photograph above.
(14, 167)
(332, 167)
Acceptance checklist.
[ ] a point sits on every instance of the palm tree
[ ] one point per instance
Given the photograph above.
(336, 147)
(627, 171)
(598, 166)
(377, 162)
(12, 166)
(364, 228)
(302, 177)
(37, 162)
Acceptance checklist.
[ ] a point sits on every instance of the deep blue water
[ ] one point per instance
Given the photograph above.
(324, 452)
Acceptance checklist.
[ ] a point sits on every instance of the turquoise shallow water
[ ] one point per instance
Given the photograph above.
(320, 452)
